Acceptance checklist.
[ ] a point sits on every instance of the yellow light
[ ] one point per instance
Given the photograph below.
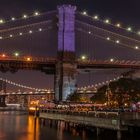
(136, 47)
(1, 21)
(125, 104)
(12, 18)
(32, 108)
(107, 21)
(108, 38)
(129, 29)
(118, 25)
(11, 35)
(83, 57)
(96, 17)
(84, 13)
(0, 37)
(28, 59)
(111, 60)
(36, 13)
(117, 41)
(16, 54)
(25, 16)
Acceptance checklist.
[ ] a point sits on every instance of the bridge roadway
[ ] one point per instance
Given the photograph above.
(48, 65)
(99, 119)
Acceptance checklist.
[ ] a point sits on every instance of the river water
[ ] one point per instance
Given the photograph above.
(22, 127)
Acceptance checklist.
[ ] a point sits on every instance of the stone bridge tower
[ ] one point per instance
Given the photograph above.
(65, 78)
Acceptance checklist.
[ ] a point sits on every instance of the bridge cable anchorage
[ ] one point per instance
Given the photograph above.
(25, 16)
(23, 86)
(100, 83)
(116, 41)
(107, 22)
(93, 27)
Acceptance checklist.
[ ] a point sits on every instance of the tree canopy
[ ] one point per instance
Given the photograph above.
(125, 90)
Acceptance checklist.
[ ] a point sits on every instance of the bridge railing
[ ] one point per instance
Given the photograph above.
(28, 59)
(119, 62)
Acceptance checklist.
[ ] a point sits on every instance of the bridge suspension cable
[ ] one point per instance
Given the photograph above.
(108, 35)
(23, 86)
(25, 33)
(26, 26)
(107, 21)
(100, 83)
(112, 40)
(26, 16)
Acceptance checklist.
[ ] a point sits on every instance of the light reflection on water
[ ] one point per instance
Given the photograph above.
(22, 127)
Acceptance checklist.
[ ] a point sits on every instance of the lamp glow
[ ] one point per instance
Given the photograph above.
(84, 13)
(16, 54)
(25, 16)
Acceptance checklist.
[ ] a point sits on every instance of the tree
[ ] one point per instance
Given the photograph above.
(74, 97)
(98, 98)
(125, 90)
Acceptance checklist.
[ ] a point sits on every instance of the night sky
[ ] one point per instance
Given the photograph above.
(124, 11)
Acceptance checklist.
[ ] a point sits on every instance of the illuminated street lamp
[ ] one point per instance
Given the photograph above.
(129, 29)
(83, 57)
(30, 32)
(117, 41)
(16, 54)
(40, 29)
(13, 18)
(28, 58)
(36, 13)
(84, 13)
(1, 21)
(25, 16)
(108, 38)
(96, 17)
(111, 60)
(118, 25)
(107, 21)
(3, 55)
(136, 47)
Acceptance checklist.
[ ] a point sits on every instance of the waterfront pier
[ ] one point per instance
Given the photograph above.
(95, 119)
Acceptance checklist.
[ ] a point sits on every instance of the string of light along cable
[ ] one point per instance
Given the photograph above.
(25, 26)
(25, 16)
(25, 33)
(110, 32)
(100, 83)
(107, 21)
(116, 41)
(23, 86)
